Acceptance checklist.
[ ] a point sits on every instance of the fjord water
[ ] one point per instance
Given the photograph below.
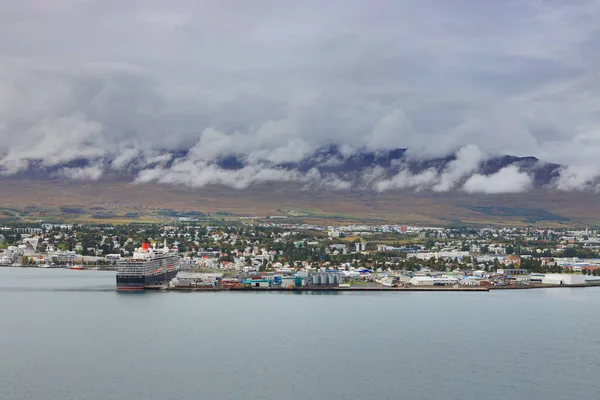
(69, 335)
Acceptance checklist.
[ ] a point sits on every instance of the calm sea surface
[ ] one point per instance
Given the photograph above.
(69, 335)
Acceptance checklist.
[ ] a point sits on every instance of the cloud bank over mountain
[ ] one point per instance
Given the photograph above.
(166, 91)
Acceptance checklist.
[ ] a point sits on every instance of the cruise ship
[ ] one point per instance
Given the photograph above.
(147, 267)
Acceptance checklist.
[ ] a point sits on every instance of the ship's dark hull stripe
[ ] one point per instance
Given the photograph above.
(140, 281)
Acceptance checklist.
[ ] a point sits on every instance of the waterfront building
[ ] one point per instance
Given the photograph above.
(563, 279)
(432, 281)
(290, 281)
(258, 283)
(64, 257)
(513, 271)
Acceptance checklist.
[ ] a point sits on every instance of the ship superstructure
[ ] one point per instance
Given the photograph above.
(147, 267)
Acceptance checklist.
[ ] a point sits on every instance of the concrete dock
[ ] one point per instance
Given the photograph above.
(361, 288)
(322, 289)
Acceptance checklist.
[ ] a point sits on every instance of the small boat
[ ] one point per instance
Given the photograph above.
(76, 267)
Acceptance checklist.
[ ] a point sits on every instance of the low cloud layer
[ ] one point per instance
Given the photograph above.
(163, 90)
(507, 180)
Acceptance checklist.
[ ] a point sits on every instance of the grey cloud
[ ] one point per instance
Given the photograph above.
(467, 161)
(92, 172)
(129, 83)
(507, 180)
(200, 174)
(405, 179)
(577, 177)
(57, 140)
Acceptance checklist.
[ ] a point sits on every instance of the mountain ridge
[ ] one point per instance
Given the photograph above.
(353, 169)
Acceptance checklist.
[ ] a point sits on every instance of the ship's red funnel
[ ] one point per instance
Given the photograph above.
(145, 246)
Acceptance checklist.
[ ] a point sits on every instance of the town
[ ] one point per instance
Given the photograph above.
(274, 254)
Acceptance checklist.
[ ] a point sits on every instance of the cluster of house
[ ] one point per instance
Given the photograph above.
(251, 252)
(25, 254)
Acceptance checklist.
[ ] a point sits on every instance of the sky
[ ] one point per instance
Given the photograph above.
(116, 82)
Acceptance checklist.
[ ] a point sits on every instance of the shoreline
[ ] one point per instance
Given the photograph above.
(330, 289)
(362, 289)
(85, 268)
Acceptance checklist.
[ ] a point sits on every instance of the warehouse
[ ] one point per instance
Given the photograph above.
(563, 279)
(431, 281)
(513, 271)
(258, 283)
(290, 281)
(422, 281)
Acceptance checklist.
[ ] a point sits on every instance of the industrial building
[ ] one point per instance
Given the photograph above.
(513, 271)
(291, 281)
(563, 279)
(325, 279)
(258, 283)
(432, 281)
